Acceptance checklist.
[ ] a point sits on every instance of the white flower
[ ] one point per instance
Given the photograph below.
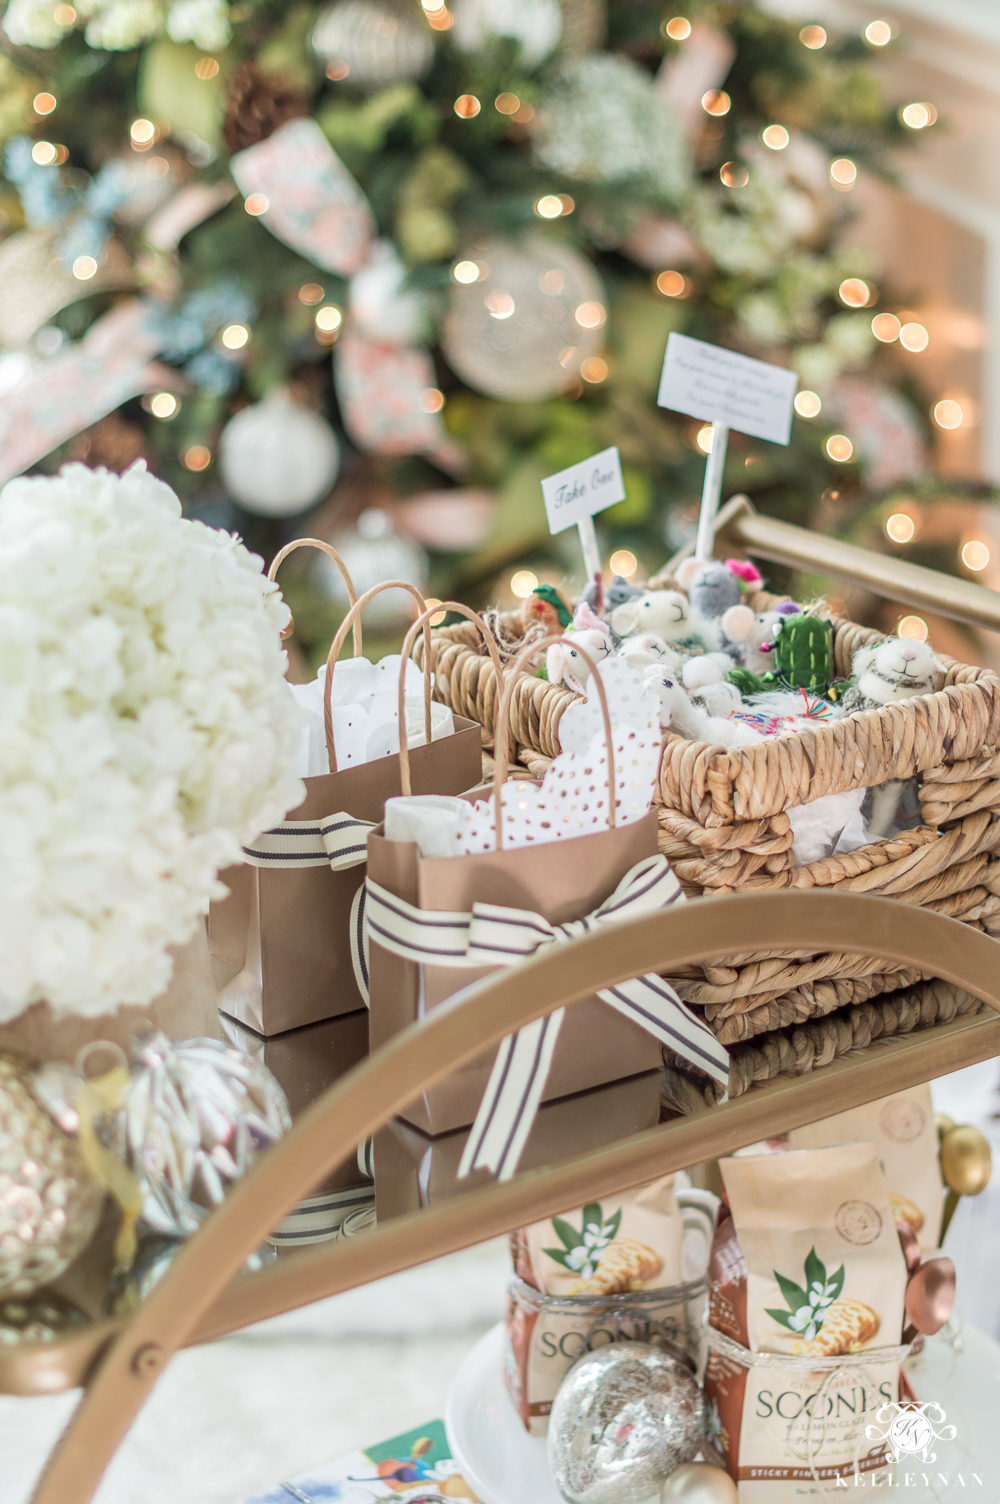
(605, 122)
(146, 731)
(204, 22)
(32, 23)
(124, 24)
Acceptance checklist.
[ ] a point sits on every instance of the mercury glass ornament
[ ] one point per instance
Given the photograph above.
(377, 41)
(278, 458)
(193, 1118)
(623, 1419)
(534, 312)
(49, 1202)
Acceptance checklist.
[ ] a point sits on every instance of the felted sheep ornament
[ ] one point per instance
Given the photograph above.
(680, 714)
(563, 664)
(667, 614)
(896, 669)
(645, 648)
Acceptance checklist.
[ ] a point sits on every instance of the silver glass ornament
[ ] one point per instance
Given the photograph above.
(377, 42)
(624, 1417)
(193, 1118)
(49, 1201)
(535, 311)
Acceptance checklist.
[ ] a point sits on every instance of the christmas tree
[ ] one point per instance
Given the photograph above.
(370, 270)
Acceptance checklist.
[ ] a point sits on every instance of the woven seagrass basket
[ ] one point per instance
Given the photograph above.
(724, 827)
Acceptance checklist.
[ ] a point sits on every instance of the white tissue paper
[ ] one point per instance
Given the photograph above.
(365, 702)
(573, 797)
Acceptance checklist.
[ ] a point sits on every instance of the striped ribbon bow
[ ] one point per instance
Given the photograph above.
(494, 935)
(337, 840)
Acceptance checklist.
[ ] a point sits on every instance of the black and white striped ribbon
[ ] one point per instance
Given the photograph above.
(319, 1218)
(337, 840)
(494, 935)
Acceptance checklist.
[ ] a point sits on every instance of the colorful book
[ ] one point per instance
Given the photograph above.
(416, 1467)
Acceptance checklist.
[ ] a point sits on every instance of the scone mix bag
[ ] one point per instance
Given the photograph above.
(902, 1129)
(629, 1243)
(806, 1261)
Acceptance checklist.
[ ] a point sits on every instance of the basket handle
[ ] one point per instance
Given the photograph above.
(500, 751)
(353, 618)
(411, 636)
(352, 594)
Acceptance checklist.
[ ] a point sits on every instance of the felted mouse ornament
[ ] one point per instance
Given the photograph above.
(667, 614)
(753, 631)
(896, 669)
(714, 586)
(609, 599)
(565, 666)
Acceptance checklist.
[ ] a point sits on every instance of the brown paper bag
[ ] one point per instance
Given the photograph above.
(413, 1170)
(558, 881)
(282, 942)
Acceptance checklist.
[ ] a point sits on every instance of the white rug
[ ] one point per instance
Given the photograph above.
(241, 1415)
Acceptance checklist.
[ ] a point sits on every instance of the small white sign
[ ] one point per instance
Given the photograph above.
(720, 386)
(576, 493)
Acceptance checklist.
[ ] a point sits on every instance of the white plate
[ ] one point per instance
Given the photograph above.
(496, 1456)
(507, 1466)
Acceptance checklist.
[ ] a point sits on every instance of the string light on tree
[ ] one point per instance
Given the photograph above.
(775, 136)
(678, 28)
(624, 562)
(716, 102)
(703, 438)
(948, 413)
(855, 293)
(143, 133)
(522, 583)
(164, 405)
(734, 175)
(813, 37)
(44, 153)
(549, 206)
(196, 457)
(886, 327)
(507, 104)
(206, 68)
(84, 267)
(256, 203)
(467, 106)
(467, 271)
(914, 337)
(843, 174)
(310, 293)
(807, 404)
(235, 336)
(44, 103)
(839, 447)
(431, 400)
(439, 616)
(673, 284)
(878, 33)
(975, 555)
(900, 527)
(912, 626)
(918, 116)
(594, 370)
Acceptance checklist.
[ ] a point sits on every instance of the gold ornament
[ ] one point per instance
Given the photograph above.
(943, 1123)
(376, 42)
(49, 1203)
(966, 1161)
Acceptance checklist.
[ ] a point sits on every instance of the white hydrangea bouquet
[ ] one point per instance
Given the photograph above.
(118, 25)
(146, 732)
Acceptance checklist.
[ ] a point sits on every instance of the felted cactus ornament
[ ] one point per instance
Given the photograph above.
(802, 654)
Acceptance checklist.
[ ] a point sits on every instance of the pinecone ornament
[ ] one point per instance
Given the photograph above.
(258, 103)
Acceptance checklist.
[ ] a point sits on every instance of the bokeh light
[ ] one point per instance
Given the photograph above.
(624, 562)
(672, 284)
(716, 102)
(678, 28)
(914, 337)
(703, 438)
(84, 267)
(257, 203)
(918, 115)
(912, 626)
(808, 405)
(855, 293)
(329, 317)
(843, 173)
(812, 37)
(196, 458)
(900, 527)
(839, 447)
(775, 136)
(948, 413)
(235, 336)
(466, 106)
(465, 271)
(164, 405)
(431, 400)
(886, 327)
(594, 369)
(590, 315)
(522, 583)
(734, 175)
(310, 293)
(878, 33)
(975, 555)
(44, 104)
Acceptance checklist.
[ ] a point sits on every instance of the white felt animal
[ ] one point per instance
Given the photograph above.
(645, 647)
(679, 712)
(667, 613)
(710, 668)
(719, 699)
(896, 669)
(564, 665)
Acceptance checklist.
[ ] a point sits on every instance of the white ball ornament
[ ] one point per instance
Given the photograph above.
(521, 330)
(278, 458)
(535, 24)
(699, 1483)
(380, 308)
(378, 41)
(373, 551)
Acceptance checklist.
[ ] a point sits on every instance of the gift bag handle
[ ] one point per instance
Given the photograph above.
(353, 617)
(352, 594)
(423, 620)
(503, 725)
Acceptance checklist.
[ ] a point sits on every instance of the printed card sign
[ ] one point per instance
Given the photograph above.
(721, 386)
(573, 495)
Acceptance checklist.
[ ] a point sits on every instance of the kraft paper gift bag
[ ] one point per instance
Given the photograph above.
(283, 940)
(413, 1169)
(535, 866)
